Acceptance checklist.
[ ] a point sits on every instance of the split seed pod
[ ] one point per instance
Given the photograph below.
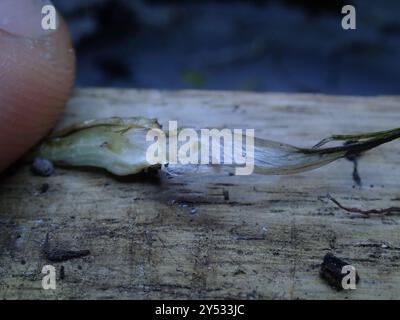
(119, 145)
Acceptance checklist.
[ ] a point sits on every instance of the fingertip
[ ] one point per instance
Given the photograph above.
(36, 79)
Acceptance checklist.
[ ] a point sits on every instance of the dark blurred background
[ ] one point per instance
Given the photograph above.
(260, 45)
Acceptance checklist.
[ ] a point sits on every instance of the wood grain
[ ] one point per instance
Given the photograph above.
(255, 237)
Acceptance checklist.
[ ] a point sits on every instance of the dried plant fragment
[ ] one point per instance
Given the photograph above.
(366, 213)
(119, 145)
(115, 144)
(332, 271)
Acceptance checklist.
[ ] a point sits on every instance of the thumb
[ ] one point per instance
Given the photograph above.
(37, 69)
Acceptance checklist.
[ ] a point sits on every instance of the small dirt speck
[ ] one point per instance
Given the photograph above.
(225, 193)
(62, 273)
(44, 188)
(331, 271)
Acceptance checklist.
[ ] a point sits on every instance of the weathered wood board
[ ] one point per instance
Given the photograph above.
(255, 237)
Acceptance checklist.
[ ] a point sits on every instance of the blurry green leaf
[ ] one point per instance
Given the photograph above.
(193, 77)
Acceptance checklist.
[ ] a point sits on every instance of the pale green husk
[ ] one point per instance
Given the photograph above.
(119, 145)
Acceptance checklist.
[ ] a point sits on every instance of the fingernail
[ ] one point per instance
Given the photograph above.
(25, 18)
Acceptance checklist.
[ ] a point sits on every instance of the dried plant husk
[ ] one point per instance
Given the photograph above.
(115, 144)
(119, 145)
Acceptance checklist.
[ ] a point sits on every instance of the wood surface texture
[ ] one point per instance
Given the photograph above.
(248, 237)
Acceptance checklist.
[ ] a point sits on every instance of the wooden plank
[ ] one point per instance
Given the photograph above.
(265, 241)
